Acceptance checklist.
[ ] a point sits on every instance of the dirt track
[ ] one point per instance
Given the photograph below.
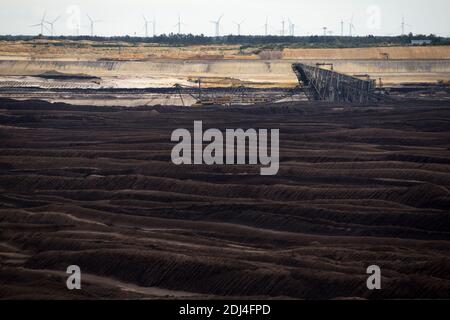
(95, 187)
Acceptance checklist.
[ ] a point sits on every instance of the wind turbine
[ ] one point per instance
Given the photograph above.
(179, 24)
(351, 27)
(154, 26)
(217, 25)
(41, 24)
(266, 27)
(325, 31)
(93, 22)
(238, 24)
(51, 23)
(342, 28)
(146, 22)
(403, 25)
(283, 22)
(291, 28)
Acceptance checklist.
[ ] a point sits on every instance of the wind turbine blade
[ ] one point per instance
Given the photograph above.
(220, 18)
(89, 18)
(35, 25)
(56, 19)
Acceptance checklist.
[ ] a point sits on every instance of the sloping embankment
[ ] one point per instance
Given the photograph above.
(405, 53)
(278, 72)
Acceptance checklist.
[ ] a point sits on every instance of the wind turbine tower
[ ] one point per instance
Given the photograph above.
(342, 28)
(52, 23)
(283, 22)
(291, 28)
(351, 27)
(41, 24)
(179, 24)
(217, 25)
(403, 25)
(92, 24)
(266, 27)
(238, 25)
(146, 22)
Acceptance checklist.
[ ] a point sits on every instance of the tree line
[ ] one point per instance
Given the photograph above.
(270, 40)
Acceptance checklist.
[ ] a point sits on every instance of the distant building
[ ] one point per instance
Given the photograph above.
(420, 42)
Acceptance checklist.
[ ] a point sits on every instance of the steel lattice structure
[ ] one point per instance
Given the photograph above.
(332, 86)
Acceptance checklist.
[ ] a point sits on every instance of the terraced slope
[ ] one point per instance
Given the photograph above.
(95, 187)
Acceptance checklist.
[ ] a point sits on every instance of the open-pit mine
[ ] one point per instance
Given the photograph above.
(117, 74)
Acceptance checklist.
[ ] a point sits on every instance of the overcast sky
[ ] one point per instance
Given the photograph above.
(124, 17)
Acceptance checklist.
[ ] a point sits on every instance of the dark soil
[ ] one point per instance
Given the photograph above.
(357, 186)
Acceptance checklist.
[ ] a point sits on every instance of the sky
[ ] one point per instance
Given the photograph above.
(125, 17)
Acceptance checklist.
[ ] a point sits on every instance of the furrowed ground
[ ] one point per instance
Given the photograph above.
(95, 187)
